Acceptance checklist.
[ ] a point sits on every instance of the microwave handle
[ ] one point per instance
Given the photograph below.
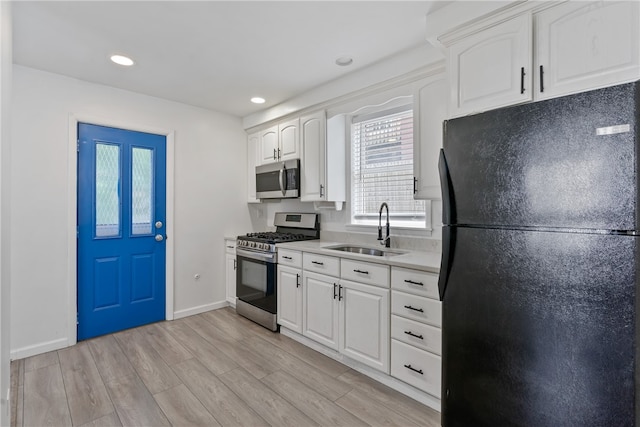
(283, 179)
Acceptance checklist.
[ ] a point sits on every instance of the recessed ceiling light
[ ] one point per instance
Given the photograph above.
(122, 60)
(257, 100)
(343, 61)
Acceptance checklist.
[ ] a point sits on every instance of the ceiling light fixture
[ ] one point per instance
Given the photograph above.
(257, 100)
(343, 61)
(122, 60)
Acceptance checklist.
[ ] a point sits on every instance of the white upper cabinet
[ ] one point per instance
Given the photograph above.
(252, 153)
(323, 158)
(491, 68)
(579, 46)
(430, 110)
(289, 140)
(582, 46)
(313, 162)
(268, 146)
(279, 143)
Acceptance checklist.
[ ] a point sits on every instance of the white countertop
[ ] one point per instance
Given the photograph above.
(425, 261)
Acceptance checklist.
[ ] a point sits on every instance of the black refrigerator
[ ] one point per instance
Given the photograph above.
(539, 282)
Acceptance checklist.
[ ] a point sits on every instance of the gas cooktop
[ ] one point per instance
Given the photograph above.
(291, 227)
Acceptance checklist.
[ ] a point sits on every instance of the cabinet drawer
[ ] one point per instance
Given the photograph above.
(365, 272)
(321, 264)
(415, 282)
(230, 246)
(290, 258)
(418, 334)
(417, 367)
(417, 308)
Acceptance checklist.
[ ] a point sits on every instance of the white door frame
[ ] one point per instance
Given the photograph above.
(72, 185)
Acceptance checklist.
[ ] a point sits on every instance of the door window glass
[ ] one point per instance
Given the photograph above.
(141, 190)
(107, 190)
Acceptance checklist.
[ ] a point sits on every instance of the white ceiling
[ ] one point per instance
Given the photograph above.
(214, 54)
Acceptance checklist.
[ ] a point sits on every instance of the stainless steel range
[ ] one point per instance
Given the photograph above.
(257, 256)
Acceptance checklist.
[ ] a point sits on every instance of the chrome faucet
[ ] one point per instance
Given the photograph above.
(387, 240)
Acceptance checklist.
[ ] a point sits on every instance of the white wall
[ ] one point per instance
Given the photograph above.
(403, 63)
(210, 197)
(5, 222)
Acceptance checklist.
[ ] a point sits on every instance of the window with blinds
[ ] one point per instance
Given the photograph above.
(382, 168)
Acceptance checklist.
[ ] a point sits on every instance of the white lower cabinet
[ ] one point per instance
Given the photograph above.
(289, 311)
(230, 270)
(387, 318)
(417, 367)
(416, 337)
(364, 323)
(321, 309)
(343, 315)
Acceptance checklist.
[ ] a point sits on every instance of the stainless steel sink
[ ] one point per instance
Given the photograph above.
(363, 250)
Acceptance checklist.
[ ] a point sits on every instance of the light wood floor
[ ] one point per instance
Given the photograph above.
(211, 369)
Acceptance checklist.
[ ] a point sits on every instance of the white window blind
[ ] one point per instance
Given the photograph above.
(382, 168)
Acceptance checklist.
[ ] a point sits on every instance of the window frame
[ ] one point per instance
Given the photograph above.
(413, 228)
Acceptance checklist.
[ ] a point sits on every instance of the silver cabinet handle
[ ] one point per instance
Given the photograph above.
(159, 224)
(159, 238)
(321, 190)
(274, 154)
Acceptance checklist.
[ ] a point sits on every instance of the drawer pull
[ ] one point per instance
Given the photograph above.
(414, 309)
(414, 369)
(339, 292)
(317, 262)
(286, 257)
(414, 283)
(413, 335)
(231, 247)
(297, 280)
(334, 291)
(361, 271)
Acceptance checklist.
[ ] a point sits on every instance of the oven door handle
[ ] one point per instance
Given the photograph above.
(259, 256)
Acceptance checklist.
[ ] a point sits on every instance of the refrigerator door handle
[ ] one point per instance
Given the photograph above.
(448, 208)
(448, 245)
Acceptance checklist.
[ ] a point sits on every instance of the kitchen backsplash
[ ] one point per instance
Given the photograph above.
(334, 225)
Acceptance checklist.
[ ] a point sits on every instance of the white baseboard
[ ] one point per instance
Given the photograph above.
(402, 387)
(199, 309)
(34, 350)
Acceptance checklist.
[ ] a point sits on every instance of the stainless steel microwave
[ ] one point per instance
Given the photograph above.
(278, 180)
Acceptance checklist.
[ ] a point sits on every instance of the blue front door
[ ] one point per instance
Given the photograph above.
(121, 229)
